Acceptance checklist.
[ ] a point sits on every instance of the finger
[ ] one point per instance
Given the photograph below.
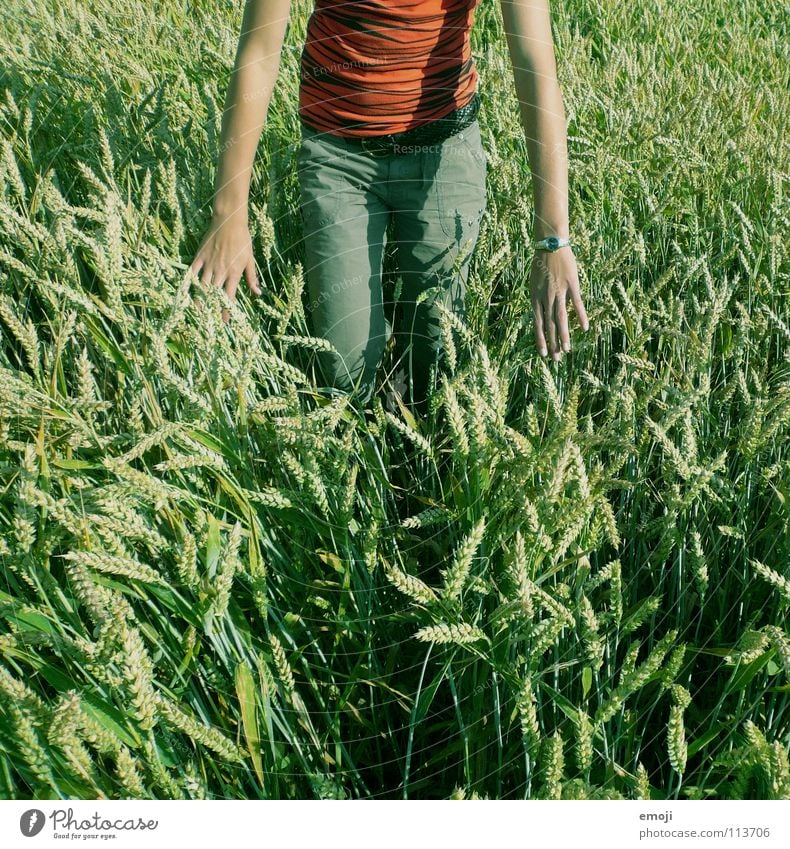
(252, 277)
(197, 264)
(540, 339)
(219, 279)
(581, 313)
(562, 323)
(232, 285)
(552, 330)
(207, 276)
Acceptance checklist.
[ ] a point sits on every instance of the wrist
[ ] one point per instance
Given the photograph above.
(225, 209)
(550, 221)
(541, 231)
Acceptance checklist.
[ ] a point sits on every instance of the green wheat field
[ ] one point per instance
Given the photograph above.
(569, 581)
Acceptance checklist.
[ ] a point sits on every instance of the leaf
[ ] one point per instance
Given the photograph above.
(37, 621)
(586, 680)
(267, 705)
(332, 560)
(742, 676)
(213, 546)
(111, 718)
(245, 690)
(106, 344)
(702, 741)
(407, 414)
(69, 463)
(565, 705)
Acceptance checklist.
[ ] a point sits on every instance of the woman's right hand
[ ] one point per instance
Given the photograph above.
(225, 254)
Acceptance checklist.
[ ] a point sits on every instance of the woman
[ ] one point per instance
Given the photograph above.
(391, 147)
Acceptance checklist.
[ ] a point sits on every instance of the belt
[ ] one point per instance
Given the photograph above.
(433, 131)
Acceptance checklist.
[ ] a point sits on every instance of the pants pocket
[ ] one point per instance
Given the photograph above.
(321, 180)
(461, 182)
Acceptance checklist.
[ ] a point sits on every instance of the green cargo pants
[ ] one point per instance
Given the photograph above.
(430, 199)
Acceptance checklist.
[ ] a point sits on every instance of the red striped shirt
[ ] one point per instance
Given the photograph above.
(373, 67)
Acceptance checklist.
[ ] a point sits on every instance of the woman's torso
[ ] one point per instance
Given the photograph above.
(372, 67)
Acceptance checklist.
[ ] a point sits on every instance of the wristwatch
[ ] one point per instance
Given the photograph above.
(551, 243)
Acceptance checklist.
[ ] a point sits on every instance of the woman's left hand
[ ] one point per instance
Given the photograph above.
(553, 279)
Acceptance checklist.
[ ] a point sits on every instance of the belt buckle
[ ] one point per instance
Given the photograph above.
(372, 150)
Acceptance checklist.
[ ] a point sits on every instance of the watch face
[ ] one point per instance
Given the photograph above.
(553, 243)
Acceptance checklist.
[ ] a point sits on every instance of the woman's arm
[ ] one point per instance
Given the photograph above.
(554, 276)
(247, 100)
(226, 251)
(528, 33)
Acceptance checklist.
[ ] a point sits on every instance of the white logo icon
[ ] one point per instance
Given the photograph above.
(31, 822)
